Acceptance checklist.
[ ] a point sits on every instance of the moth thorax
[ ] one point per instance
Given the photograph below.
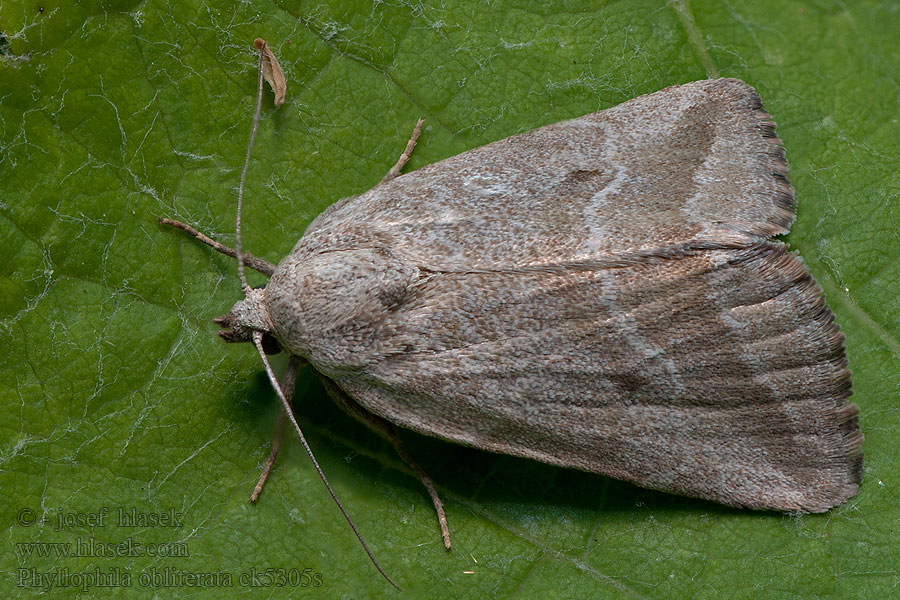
(331, 308)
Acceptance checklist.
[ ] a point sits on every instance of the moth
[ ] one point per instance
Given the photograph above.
(602, 294)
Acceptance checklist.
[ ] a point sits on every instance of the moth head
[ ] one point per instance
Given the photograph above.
(245, 317)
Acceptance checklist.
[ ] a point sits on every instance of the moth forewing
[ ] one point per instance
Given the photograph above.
(600, 293)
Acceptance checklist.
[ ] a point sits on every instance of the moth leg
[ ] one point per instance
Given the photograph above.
(402, 452)
(387, 430)
(264, 267)
(276, 446)
(288, 383)
(404, 158)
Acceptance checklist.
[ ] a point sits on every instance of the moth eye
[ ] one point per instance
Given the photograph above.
(270, 345)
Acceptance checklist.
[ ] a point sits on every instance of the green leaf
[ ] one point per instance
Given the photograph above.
(117, 395)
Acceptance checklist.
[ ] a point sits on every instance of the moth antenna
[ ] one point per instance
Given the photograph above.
(257, 341)
(240, 199)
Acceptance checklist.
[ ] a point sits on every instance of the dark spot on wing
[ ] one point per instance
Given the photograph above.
(582, 175)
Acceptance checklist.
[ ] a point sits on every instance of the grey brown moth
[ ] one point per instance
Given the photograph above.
(601, 294)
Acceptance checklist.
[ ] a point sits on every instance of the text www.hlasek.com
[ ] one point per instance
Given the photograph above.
(88, 547)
